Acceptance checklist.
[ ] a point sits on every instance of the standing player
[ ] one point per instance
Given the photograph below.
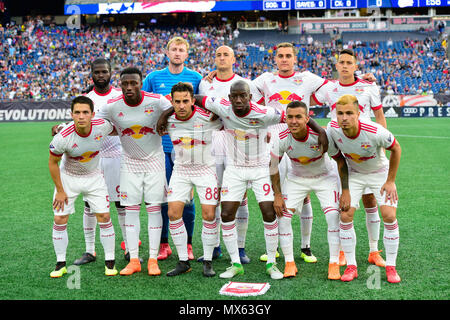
(247, 161)
(310, 171)
(219, 87)
(368, 96)
(190, 129)
(362, 144)
(161, 82)
(79, 144)
(134, 114)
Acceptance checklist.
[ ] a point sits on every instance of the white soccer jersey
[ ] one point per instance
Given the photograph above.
(367, 93)
(221, 88)
(136, 126)
(111, 146)
(245, 137)
(305, 155)
(191, 140)
(364, 152)
(278, 91)
(80, 152)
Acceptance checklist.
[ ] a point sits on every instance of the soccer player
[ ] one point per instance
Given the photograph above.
(190, 129)
(368, 96)
(219, 87)
(310, 171)
(362, 143)
(247, 161)
(134, 114)
(161, 82)
(78, 145)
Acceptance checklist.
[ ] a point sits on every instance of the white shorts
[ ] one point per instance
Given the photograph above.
(180, 188)
(335, 168)
(152, 186)
(325, 187)
(359, 182)
(236, 180)
(94, 191)
(111, 171)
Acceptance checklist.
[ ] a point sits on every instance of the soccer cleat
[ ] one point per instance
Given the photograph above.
(132, 267)
(190, 252)
(342, 260)
(263, 258)
(122, 245)
(350, 273)
(243, 256)
(392, 275)
(111, 272)
(85, 258)
(208, 270)
(217, 253)
(290, 269)
(235, 269)
(180, 268)
(164, 251)
(376, 259)
(333, 271)
(59, 271)
(153, 268)
(308, 256)
(272, 270)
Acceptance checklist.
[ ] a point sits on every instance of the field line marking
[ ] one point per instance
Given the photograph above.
(426, 137)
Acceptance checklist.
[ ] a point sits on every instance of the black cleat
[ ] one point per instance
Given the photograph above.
(126, 256)
(208, 270)
(85, 258)
(180, 268)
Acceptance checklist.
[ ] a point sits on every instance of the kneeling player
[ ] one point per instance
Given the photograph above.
(80, 143)
(362, 144)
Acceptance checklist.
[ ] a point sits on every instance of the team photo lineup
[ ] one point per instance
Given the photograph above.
(228, 134)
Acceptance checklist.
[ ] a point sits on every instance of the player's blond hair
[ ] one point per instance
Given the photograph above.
(348, 99)
(286, 45)
(178, 40)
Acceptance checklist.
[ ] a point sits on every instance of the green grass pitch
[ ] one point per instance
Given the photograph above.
(27, 256)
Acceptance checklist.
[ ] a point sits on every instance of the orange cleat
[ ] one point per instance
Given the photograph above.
(290, 269)
(342, 260)
(190, 252)
(350, 273)
(132, 267)
(376, 259)
(164, 251)
(333, 271)
(153, 269)
(392, 275)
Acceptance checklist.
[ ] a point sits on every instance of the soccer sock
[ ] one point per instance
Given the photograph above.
(165, 224)
(219, 224)
(242, 223)
(108, 239)
(306, 220)
(373, 227)
(391, 241)
(332, 217)
(60, 241)
(229, 235)
(189, 219)
(286, 238)
(209, 238)
(121, 213)
(271, 237)
(132, 223)
(179, 236)
(89, 228)
(348, 241)
(154, 229)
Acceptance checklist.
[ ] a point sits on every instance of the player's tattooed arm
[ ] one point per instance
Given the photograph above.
(344, 199)
(323, 140)
(278, 203)
(161, 125)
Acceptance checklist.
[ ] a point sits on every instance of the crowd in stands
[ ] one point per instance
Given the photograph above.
(42, 62)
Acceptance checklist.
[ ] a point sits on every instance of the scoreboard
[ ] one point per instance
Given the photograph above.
(349, 4)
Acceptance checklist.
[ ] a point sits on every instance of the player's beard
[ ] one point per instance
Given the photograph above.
(102, 85)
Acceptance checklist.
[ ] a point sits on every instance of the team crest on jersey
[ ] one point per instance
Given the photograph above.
(253, 122)
(198, 125)
(169, 191)
(224, 190)
(98, 137)
(315, 147)
(365, 145)
(123, 195)
(148, 110)
(359, 90)
(298, 81)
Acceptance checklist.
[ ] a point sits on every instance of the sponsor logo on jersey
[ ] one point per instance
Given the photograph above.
(242, 135)
(306, 160)
(284, 97)
(187, 142)
(86, 157)
(357, 158)
(137, 131)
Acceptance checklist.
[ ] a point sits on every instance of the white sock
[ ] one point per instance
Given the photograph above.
(391, 241)
(179, 237)
(271, 237)
(229, 236)
(60, 241)
(209, 238)
(332, 217)
(132, 223)
(242, 223)
(89, 228)
(373, 227)
(154, 229)
(348, 241)
(108, 239)
(121, 213)
(306, 220)
(286, 238)
(219, 223)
